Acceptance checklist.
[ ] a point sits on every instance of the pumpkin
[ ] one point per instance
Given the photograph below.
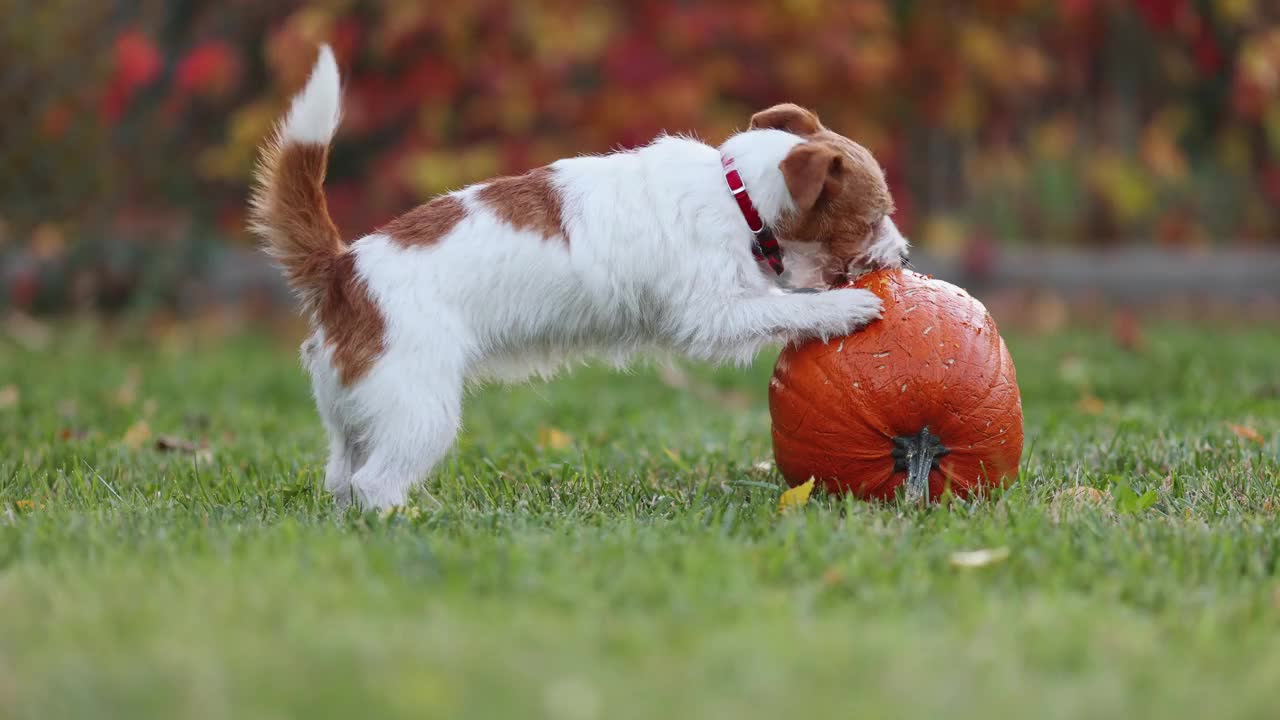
(925, 397)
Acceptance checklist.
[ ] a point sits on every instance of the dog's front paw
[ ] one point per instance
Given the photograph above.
(860, 306)
(840, 312)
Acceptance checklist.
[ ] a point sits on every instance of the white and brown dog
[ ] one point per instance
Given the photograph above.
(675, 246)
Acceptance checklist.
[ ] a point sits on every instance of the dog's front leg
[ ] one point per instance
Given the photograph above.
(738, 326)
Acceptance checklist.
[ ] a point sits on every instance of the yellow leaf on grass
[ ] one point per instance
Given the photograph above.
(979, 558)
(1091, 405)
(797, 496)
(1247, 433)
(137, 434)
(554, 439)
(1082, 495)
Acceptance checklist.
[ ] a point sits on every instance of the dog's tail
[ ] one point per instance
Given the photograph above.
(288, 208)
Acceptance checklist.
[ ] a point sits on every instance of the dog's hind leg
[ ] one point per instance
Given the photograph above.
(345, 450)
(413, 418)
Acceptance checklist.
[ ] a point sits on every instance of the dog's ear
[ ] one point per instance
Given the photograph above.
(791, 118)
(813, 170)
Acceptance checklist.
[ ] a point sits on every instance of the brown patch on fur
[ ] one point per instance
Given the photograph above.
(353, 323)
(838, 187)
(788, 117)
(289, 211)
(527, 202)
(427, 223)
(840, 195)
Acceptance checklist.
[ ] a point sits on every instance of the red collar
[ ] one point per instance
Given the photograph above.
(765, 246)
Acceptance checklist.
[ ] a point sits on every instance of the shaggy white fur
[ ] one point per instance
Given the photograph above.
(655, 256)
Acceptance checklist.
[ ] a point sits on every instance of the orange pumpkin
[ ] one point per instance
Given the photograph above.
(925, 396)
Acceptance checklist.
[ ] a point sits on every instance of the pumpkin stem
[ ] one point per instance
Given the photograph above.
(918, 456)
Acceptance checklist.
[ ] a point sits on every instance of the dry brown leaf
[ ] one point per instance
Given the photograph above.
(10, 395)
(172, 443)
(979, 558)
(1127, 331)
(1082, 495)
(68, 433)
(832, 576)
(1247, 433)
(137, 434)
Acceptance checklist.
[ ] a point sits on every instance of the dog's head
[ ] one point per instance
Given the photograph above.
(840, 223)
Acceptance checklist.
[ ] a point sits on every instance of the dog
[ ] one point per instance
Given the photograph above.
(677, 246)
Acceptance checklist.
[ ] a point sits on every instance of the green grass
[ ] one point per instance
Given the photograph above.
(643, 569)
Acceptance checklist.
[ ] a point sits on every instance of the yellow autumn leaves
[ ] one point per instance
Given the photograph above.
(796, 497)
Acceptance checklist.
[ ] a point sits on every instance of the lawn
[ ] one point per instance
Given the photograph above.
(609, 546)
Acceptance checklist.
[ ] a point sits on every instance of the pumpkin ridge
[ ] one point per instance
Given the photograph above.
(848, 396)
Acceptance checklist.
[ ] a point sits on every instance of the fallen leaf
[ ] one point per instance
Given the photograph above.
(979, 558)
(797, 496)
(9, 397)
(24, 504)
(67, 433)
(1127, 331)
(1091, 405)
(137, 434)
(553, 438)
(410, 512)
(832, 576)
(127, 393)
(1081, 495)
(172, 443)
(1247, 433)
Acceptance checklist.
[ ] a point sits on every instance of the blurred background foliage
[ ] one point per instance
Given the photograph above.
(131, 128)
